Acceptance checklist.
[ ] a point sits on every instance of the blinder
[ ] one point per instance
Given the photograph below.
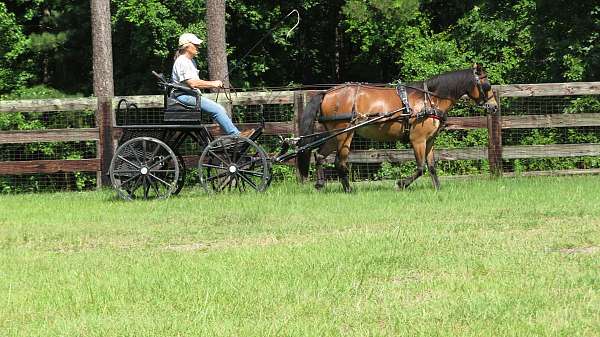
(483, 87)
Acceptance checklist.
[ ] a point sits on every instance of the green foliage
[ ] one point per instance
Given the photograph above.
(395, 171)
(583, 104)
(36, 92)
(149, 31)
(374, 24)
(501, 39)
(425, 55)
(284, 173)
(13, 44)
(380, 30)
(569, 39)
(47, 41)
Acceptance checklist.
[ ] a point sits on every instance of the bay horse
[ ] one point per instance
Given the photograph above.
(421, 109)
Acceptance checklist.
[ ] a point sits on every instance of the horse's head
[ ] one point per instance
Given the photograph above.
(482, 92)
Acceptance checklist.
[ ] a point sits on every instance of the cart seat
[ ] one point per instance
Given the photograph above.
(175, 111)
(179, 112)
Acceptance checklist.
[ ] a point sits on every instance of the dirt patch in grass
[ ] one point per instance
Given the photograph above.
(188, 247)
(580, 250)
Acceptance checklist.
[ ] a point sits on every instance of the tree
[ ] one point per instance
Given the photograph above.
(103, 79)
(216, 44)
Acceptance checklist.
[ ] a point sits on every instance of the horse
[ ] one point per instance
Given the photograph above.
(420, 110)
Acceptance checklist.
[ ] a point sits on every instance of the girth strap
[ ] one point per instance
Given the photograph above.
(354, 101)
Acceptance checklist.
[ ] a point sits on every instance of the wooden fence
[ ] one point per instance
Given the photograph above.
(495, 152)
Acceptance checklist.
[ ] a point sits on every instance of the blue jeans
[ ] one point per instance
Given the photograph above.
(215, 110)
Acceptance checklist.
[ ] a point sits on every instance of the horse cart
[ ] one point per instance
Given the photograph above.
(148, 164)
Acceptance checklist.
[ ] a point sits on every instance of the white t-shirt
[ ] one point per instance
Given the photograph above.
(184, 69)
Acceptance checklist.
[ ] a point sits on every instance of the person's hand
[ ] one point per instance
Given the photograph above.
(218, 84)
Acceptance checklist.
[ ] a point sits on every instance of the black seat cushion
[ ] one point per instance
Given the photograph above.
(175, 105)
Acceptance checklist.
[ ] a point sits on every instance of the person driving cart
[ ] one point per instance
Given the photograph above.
(185, 72)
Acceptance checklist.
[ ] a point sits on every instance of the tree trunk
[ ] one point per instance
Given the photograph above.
(103, 83)
(216, 44)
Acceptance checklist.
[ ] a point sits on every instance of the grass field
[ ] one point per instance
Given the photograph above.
(508, 257)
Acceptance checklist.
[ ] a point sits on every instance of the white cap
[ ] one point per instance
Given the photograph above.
(189, 38)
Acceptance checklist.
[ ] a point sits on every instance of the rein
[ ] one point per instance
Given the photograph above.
(268, 33)
(227, 91)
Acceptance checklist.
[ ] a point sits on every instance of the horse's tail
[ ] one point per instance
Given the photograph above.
(306, 127)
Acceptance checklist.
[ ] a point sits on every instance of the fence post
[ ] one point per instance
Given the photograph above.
(299, 102)
(298, 110)
(494, 125)
(104, 118)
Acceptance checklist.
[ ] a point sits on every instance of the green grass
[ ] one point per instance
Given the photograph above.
(507, 257)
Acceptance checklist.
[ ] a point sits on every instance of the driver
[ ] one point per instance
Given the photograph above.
(185, 72)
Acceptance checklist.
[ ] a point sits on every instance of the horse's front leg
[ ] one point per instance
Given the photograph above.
(419, 151)
(432, 170)
(431, 165)
(341, 160)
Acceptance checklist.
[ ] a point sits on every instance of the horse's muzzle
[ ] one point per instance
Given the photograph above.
(490, 108)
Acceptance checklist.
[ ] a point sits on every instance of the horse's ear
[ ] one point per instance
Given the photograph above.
(477, 68)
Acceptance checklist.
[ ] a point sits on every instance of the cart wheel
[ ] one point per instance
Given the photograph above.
(182, 174)
(234, 163)
(144, 168)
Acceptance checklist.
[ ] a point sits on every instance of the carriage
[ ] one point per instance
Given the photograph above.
(148, 164)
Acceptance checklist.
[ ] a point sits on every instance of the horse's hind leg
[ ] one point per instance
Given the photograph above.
(320, 156)
(341, 160)
(419, 151)
(431, 166)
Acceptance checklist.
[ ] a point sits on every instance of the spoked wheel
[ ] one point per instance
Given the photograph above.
(144, 168)
(233, 163)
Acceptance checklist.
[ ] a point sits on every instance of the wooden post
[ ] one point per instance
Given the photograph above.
(299, 103)
(103, 83)
(494, 125)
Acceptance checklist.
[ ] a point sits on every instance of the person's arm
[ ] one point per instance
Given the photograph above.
(202, 84)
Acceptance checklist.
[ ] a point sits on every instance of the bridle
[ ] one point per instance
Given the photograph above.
(483, 97)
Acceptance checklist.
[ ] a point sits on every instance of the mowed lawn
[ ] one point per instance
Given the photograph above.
(482, 257)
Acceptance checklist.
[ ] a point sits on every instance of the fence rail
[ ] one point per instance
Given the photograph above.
(495, 152)
(49, 166)
(48, 135)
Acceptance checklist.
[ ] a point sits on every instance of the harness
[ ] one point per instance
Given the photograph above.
(352, 115)
(430, 110)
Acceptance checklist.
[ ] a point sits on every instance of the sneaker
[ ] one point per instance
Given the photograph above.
(247, 133)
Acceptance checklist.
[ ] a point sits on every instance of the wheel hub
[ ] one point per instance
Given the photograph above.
(232, 169)
(144, 170)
